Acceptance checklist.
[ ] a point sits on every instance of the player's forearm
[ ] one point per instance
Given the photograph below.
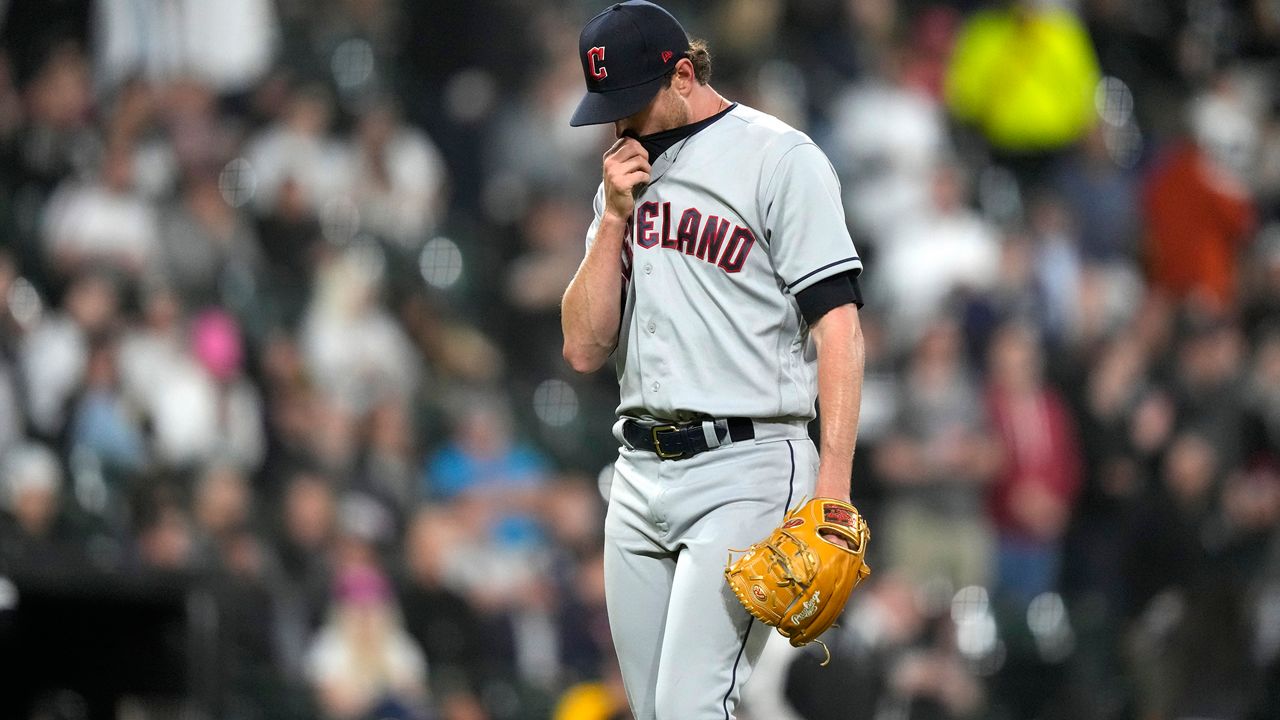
(591, 309)
(841, 355)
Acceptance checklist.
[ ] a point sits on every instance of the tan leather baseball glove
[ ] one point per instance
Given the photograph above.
(798, 579)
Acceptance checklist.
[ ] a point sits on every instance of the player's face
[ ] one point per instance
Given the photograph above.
(666, 111)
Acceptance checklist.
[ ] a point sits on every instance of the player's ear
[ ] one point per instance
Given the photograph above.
(685, 78)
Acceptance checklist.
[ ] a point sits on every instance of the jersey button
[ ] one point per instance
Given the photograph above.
(648, 269)
(654, 387)
(653, 328)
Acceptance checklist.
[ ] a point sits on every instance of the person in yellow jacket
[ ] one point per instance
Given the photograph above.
(1024, 75)
(589, 701)
(602, 699)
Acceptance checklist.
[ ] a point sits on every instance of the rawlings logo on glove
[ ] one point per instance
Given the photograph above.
(799, 577)
(810, 607)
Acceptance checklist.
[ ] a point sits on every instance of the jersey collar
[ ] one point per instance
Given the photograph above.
(659, 142)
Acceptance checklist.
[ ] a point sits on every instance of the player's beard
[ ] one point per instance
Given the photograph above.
(670, 113)
(674, 112)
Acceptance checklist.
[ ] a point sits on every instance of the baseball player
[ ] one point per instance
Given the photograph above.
(721, 277)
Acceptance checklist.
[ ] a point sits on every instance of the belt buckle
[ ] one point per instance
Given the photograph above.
(657, 443)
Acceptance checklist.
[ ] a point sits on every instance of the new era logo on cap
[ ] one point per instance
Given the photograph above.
(642, 42)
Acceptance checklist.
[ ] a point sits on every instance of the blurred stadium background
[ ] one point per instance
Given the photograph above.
(285, 431)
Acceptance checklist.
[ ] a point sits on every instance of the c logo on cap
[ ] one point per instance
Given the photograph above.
(595, 56)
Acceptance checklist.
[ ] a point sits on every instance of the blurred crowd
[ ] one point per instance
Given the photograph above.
(280, 347)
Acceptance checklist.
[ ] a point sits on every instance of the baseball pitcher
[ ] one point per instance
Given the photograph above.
(720, 276)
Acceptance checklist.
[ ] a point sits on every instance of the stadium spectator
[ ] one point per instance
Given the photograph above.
(356, 352)
(1024, 74)
(500, 475)
(207, 409)
(36, 535)
(1209, 384)
(1039, 476)
(440, 619)
(932, 254)
(889, 138)
(1102, 199)
(103, 420)
(398, 179)
(247, 654)
(209, 252)
(303, 538)
(595, 700)
(1198, 214)
(297, 153)
(936, 462)
(1057, 272)
(230, 43)
(58, 126)
(1188, 607)
(221, 508)
(103, 223)
(165, 543)
(533, 147)
(549, 255)
(362, 663)
(55, 352)
(153, 344)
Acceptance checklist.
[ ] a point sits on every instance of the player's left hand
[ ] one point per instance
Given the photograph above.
(837, 540)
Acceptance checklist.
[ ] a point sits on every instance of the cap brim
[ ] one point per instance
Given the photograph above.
(605, 107)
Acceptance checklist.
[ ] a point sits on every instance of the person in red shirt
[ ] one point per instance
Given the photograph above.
(1033, 494)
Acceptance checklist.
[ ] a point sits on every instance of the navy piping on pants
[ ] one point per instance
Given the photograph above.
(733, 678)
(792, 482)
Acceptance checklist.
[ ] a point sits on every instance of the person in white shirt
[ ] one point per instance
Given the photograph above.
(363, 659)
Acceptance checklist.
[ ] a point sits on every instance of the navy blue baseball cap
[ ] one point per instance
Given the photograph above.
(625, 52)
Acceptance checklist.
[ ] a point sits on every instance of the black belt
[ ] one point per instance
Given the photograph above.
(684, 440)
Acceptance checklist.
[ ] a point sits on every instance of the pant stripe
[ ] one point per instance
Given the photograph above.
(733, 677)
(792, 482)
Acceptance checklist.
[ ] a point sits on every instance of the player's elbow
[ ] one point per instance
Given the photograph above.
(583, 359)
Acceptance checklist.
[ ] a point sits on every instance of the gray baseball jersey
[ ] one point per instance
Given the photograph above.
(736, 220)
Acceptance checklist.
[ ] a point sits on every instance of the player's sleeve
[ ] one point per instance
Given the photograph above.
(826, 295)
(804, 220)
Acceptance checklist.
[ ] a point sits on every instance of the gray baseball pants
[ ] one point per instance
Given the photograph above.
(685, 645)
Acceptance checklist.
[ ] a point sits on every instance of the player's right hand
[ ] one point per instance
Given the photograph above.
(626, 169)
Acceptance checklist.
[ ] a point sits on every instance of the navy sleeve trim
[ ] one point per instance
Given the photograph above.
(828, 294)
(811, 273)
